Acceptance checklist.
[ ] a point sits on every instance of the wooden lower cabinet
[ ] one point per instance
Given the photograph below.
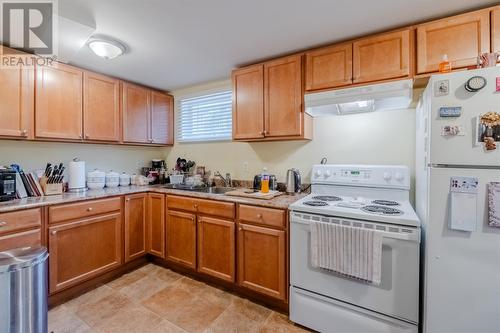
(135, 226)
(181, 238)
(216, 247)
(262, 260)
(83, 249)
(156, 225)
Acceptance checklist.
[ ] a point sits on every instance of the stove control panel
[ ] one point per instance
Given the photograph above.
(388, 176)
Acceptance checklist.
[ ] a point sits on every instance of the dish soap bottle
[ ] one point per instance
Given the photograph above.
(264, 182)
(445, 65)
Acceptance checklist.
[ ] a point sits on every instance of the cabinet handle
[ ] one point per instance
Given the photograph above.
(53, 232)
(89, 209)
(86, 136)
(259, 216)
(128, 199)
(262, 132)
(240, 228)
(195, 206)
(80, 136)
(3, 224)
(24, 132)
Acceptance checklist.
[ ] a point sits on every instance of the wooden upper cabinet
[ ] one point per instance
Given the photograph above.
(495, 30)
(248, 102)
(156, 225)
(17, 95)
(283, 96)
(181, 238)
(162, 118)
(329, 67)
(381, 57)
(58, 100)
(216, 248)
(461, 37)
(101, 112)
(136, 113)
(135, 226)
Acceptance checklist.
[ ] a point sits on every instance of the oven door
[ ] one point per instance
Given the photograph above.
(398, 293)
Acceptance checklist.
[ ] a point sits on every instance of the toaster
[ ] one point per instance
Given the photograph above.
(7, 184)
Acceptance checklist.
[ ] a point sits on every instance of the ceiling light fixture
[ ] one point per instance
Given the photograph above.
(106, 48)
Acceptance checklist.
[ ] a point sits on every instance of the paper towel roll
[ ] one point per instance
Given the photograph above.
(76, 174)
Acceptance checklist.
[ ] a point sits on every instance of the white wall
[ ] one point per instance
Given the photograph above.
(370, 138)
(35, 155)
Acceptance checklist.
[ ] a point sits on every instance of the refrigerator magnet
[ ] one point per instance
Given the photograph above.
(494, 204)
(463, 203)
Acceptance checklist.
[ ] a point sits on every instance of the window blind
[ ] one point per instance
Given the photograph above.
(205, 118)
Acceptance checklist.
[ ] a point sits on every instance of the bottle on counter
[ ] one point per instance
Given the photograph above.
(445, 65)
(264, 183)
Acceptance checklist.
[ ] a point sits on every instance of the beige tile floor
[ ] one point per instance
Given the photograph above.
(157, 300)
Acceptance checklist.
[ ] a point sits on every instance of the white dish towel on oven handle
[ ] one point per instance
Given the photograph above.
(350, 251)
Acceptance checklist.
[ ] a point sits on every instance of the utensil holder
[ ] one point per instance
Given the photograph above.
(50, 189)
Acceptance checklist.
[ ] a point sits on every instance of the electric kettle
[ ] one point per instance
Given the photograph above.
(293, 182)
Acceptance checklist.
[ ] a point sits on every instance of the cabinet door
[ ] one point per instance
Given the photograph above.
(382, 57)
(495, 30)
(101, 107)
(17, 96)
(216, 247)
(135, 226)
(283, 97)
(461, 37)
(58, 98)
(181, 238)
(248, 102)
(84, 249)
(329, 67)
(156, 225)
(262, 260)
(136, 113)
(162, 118)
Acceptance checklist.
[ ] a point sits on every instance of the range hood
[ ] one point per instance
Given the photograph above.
(382, 96)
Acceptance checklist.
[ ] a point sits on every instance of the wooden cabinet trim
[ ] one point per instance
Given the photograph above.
(229, 256)
(495, 29)
(262, 215)
(202, 206)
(162, 130)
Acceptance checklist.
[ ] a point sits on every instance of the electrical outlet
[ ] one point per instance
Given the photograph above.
(245, 166)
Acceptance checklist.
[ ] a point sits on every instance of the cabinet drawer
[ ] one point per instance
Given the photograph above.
(21, 239)
(261, 215)
(201, 206)
(83, 209)
(20, 220)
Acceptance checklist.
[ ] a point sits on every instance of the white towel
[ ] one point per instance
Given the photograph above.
(350, 251)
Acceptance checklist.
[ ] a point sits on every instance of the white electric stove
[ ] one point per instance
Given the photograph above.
(358, 196)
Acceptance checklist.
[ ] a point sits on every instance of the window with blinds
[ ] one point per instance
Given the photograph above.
(205, 118)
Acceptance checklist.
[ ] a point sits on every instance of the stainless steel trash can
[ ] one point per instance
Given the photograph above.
(23, 290)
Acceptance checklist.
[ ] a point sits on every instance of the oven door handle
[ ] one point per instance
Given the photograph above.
(406, 234)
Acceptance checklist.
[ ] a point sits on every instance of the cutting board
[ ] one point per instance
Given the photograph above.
(247, 193)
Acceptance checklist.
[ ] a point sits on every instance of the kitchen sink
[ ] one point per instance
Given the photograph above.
(211, 189)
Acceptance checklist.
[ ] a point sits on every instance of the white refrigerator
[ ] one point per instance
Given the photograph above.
(460, 282)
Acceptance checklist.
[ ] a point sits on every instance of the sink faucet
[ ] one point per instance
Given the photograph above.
(227, 180)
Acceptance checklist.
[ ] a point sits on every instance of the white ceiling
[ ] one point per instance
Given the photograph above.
(177, 43)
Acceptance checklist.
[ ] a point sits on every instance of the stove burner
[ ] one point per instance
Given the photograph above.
(385, 202)
(316, 203)
(327, 198)
(381, 210)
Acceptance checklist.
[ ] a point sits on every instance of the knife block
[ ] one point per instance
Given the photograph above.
(50, 189)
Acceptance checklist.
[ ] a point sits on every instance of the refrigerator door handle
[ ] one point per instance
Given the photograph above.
(463, 166)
